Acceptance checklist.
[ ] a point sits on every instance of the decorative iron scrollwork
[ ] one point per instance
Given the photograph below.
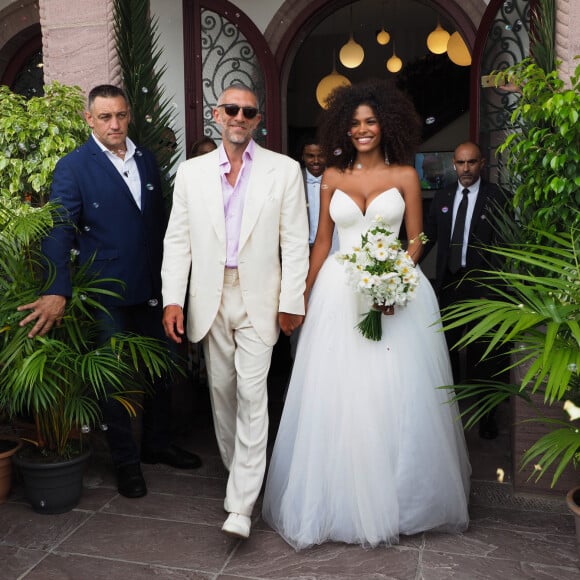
(227, 58)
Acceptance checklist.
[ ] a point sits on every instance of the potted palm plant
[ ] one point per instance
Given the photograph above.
(59, 379)
(56, 380)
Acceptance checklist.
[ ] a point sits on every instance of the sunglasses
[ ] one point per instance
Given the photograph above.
(233, 110)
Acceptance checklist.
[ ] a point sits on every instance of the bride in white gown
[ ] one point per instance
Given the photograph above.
(368, 446)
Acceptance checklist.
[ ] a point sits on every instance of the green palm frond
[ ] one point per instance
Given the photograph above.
(137, 40)
(543, 34)
(560, 447)
(535, 308)
(483, 397)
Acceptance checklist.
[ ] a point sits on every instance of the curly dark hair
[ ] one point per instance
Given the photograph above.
(399, 122)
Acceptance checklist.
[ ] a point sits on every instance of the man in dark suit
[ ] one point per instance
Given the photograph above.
(111, 192)
(460, 221)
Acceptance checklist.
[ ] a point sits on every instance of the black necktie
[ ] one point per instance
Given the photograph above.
(456, 246)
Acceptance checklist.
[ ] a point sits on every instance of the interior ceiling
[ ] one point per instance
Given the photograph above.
(370, 15)
(439, 88)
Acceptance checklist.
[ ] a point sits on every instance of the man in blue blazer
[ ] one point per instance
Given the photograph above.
(453, 282)
(111, 191)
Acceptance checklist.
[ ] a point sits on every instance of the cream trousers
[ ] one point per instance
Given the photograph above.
(237, 364)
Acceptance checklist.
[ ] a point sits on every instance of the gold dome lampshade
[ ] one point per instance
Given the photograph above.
(327, 84)
(457, 50)
(394, 64)
(351, 54)
(383, 37)
(437, 40)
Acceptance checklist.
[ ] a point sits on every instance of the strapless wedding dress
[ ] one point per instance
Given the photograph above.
(368, 446)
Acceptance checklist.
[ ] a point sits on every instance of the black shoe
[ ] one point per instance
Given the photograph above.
(130, 481)
(488, 428)
(173, 456)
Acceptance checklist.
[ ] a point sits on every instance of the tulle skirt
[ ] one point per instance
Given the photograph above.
(369, 446)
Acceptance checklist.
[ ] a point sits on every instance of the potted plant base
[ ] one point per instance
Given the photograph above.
(8, 447)
(52, 486)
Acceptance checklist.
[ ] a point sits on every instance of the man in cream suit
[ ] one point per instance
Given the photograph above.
(239, 221)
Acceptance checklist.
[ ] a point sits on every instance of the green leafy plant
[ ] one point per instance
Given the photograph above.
(535, 314)
(34, 135)
(541, 155)
(61, 377)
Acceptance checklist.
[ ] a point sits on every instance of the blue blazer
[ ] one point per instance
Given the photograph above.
(103, 220)
(437, 227)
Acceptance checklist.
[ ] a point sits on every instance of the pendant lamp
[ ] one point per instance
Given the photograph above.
(437, 40)
(351, 54)
(457, 50)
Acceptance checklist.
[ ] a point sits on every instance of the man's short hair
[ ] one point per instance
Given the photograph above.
(106, 92)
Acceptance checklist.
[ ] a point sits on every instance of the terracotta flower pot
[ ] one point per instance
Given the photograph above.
(573, 502)
(8, 447)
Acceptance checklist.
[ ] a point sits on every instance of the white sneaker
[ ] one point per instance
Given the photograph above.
(237, 526)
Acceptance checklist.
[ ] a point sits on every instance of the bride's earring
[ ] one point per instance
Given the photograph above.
(387, 162)
(349, 134)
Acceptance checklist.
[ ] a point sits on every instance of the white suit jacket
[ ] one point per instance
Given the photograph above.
(273, 246)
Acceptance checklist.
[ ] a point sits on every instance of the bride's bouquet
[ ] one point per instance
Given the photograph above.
(381, 269)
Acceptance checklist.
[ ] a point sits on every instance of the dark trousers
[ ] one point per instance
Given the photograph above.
(145, 320)
(454, 289)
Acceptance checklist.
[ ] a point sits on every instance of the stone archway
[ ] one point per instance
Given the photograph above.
(19, 37)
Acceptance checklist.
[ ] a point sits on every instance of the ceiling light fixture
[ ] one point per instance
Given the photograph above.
(383, 37)
(437, 40)
(351, 54)
(328, 83)
(457, 50)
(394, 64)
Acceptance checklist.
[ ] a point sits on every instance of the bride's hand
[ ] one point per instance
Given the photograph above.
(386, 310)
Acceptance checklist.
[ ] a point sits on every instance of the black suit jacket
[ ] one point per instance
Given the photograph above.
(437, 227)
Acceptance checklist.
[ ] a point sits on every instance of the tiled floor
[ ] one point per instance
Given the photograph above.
(174, 532)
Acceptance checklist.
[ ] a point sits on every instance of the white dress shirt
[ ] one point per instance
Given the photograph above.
(472, 198)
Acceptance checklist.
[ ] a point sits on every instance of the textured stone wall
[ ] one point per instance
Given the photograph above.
(78, 43)
(567, 42)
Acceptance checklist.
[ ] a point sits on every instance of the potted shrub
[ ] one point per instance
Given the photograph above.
(35, 134)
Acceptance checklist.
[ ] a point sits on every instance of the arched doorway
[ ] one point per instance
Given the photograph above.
(21, 48)
(223, 46)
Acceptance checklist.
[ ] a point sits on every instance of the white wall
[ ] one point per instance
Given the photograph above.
(170, 22)
(260, 12)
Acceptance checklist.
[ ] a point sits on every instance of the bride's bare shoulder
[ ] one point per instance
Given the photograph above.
(332, 178)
